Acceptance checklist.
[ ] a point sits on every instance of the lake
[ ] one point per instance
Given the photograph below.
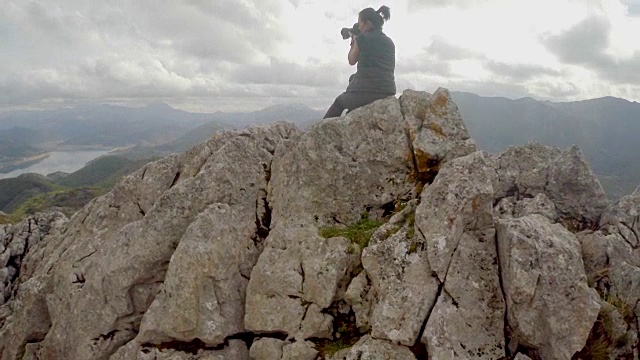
(66, 161)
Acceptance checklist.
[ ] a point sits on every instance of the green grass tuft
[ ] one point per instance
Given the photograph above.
(329, 348)
(624, 308)
(359, 233)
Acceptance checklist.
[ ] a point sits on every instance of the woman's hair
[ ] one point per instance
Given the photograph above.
(377, 18)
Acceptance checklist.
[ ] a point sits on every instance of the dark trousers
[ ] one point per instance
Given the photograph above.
(352, 100)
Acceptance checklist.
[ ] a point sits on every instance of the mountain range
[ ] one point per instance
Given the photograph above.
(605, 129)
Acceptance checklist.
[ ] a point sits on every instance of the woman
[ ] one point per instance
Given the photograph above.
(374, 52)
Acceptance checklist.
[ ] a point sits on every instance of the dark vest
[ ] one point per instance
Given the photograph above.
(376, 64)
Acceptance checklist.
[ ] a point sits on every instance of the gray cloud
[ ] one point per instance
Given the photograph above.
(446, 51)
(633, 7)
(519, 72)
(582, 44)
(435, 59)
(210, 52)
(416, 5)
(288, 73)
(490, 88)
(102, 50)
(586, 43)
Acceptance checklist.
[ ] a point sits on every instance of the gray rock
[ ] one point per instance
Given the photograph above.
(402, 218)
(404, 288)
(573, 187)
(625, 285)
(32, 352)
(436, 128)
(456, 218)
(4, 258)
(520, 169)
(107, 272)
(521, 356)
(206, 304)
(601, 253)
(453, 204)
(368, 348)
(17, 247)
(550, 306)
(266, 349)
(623, 217)
(359, 297)
(316, 324)
(299, 351)
(285, 283)
(341, 167)
(4, 276)
(562, 175)
(31, 308)
(540, 204)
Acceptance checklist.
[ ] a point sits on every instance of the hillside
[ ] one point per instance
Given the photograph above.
(154, 130)
(605, 130)
(30, 193)
(15, 191)
(102, 172)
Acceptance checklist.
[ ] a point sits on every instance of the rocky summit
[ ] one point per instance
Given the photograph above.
(383, 234)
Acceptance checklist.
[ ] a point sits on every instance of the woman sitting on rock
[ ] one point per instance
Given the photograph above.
(374, 52)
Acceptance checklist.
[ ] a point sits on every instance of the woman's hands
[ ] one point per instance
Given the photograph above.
(354, 52)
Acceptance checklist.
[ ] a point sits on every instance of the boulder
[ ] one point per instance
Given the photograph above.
(111, 264)
(623, 217)
(574, 189)
(374, 349)
(338, 169)
(266, 349)
(207, 303)
(549, 304)
(563, 176)
(436, 128)
(359, 297)
(286, 283)
(342, 167)
(299, 351)
(455, 216)
(404, 288)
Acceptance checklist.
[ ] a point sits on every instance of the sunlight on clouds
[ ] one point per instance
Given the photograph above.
(470, 69)
(107, 49)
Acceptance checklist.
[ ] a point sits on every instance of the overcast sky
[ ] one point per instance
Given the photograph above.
(235, 55)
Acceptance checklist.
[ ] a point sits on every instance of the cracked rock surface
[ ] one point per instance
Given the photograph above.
(252, 245)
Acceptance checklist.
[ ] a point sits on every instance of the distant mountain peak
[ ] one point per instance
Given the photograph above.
(159, 105)
(288, 106)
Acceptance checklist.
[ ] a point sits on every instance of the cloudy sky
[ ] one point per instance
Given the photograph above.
(235, 55)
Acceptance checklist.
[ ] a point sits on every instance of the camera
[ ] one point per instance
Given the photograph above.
(346, 32)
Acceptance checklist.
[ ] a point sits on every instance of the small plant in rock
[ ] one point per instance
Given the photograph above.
(359, 232)
(411, 221)
(329, 347)
(345, 334)
(605, 341)
(624, 308)
(598, 346)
